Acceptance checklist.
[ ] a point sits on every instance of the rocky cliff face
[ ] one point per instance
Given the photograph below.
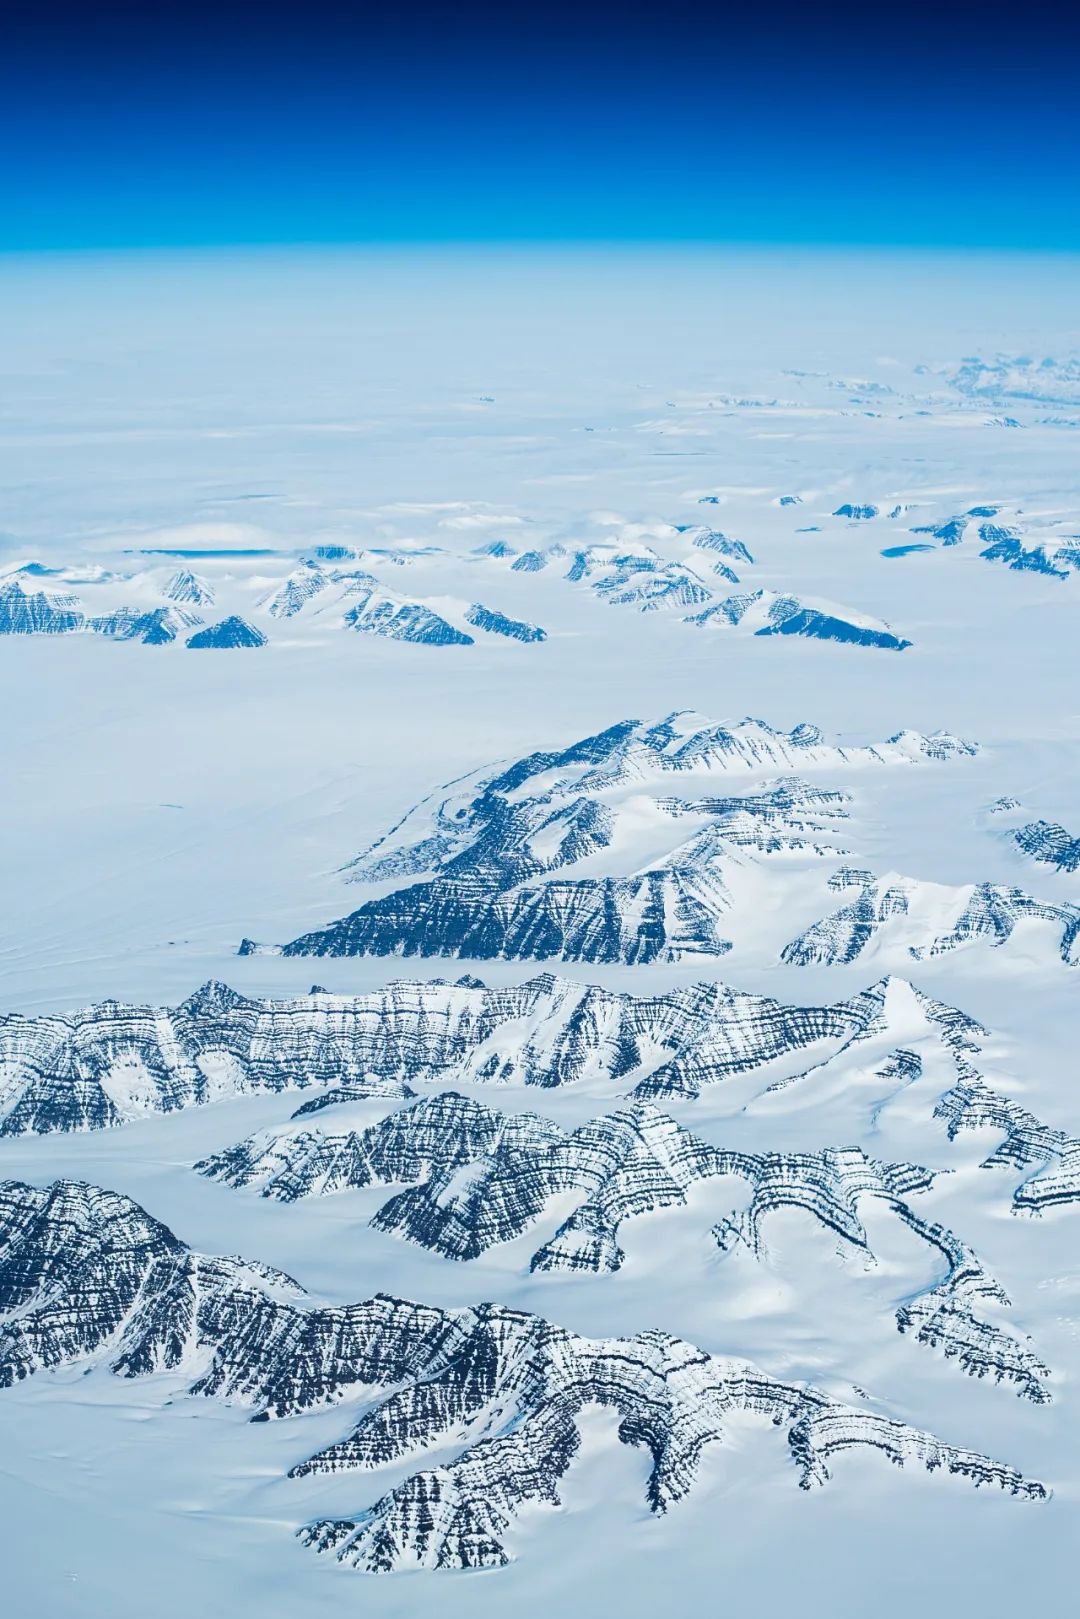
(1050, 843)
(483, 1177)
(496, 623)
(30, 612)
(498, 855)
(765, 612)
(113, 1062)
(934, 919)
(87, 1277)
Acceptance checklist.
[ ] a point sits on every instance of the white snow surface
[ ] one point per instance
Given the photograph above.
(230, 416)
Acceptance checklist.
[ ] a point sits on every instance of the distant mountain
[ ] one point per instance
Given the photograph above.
(484, 618)
(856, 513)
(229, 632)
(189, 588)
(929, 919)
(1021, 543)
(765, 612)
(375, 612)
(158, 626)
(24, 612)
(522, 874)
(1048, 381)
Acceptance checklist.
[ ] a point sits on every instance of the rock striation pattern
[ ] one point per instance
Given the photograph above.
(765, 612)
(226, 634)
(483, 1177)
(496, 623)
(1050, 552)
(113, 1062)
(497, 853)
(1050, 843)
(88, 1277)
(1047, 1158)
(518, 1388)
(938, 918)
(30, 612)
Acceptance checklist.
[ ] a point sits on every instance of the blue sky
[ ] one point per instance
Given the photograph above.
(917, 125)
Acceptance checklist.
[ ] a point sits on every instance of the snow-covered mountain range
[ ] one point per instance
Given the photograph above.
(542, 858)
(88, 1277)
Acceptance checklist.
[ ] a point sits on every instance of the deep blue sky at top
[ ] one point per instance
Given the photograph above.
(956, 124)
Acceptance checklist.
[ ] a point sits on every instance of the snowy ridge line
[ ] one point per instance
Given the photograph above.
(505, 895)
(1049, 1158)
(927, 919)
(482, 1177)
(517, 1390)
(1050, 843)
(88, 1277)
(113, 1062)
(630, 573)
(35, 600)
(321, 585)
(771, 612)
(496, 855)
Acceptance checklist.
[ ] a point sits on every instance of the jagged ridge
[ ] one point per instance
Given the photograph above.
(87, 1276)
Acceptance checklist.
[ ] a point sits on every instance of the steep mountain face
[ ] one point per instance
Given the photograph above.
(503, 897)
(88, 1277)
(190, 589)
(1006, 545)
(157, 626)
(27, 612)
(484, 1177)
(711, 539)
(113, 1062)
(1022, 543)
(1050, 843)
(929, 919)
(228, 632)
(498, 851)
(496, 623)
(306, 582)
(378, 612)
(765, 612)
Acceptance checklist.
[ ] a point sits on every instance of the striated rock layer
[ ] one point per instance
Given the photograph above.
(530, 861)
(112, 1062)
(481, 1177)
(86, 1277)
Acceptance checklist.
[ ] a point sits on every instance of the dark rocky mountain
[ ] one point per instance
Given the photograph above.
(228, 632)
(482, 1177)
(498, 850)
(88, 1277)
(112, 1062)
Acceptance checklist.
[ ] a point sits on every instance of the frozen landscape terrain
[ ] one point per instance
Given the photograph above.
(552, 1083)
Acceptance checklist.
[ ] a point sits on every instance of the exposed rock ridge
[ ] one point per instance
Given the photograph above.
(87, 1277)
(482, 1177)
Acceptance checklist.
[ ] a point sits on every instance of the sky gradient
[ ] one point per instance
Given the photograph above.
(953, 125)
